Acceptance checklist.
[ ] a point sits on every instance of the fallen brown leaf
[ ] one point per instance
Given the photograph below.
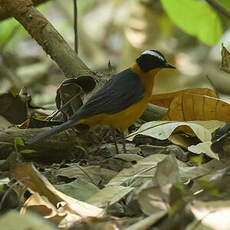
(214, 214)
(165, 99)
(190, 107)
(73, 210)
(225, 62)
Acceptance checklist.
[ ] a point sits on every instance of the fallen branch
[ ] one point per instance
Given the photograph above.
(65, 145)
(154, 113)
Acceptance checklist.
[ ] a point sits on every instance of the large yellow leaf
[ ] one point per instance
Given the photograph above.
(188, 107)
(165, 99)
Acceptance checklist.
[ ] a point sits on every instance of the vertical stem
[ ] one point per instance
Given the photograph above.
(113, 131)
(75, 26)
(123, 141)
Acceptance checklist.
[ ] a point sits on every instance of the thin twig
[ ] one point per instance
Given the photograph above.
(11, 187)
(84, 171)
(218, 7)
(75, 26)
(212, 84)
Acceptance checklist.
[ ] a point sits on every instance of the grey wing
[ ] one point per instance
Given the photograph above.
(120, 92)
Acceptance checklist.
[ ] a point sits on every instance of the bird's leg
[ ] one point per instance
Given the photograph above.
(123, 142)
(113, 131)
(105, 134)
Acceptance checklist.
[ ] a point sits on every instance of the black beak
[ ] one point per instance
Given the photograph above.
(167, 65)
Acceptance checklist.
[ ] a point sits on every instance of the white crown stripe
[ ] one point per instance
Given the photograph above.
(153, 53)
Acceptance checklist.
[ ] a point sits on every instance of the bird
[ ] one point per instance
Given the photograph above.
(120, 102)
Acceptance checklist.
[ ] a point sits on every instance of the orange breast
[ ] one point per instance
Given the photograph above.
(122, 120)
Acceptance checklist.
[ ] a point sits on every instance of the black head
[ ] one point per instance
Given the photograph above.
(151, 59)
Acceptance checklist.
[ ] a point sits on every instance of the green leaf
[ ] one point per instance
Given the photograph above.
(19, 141)
(6, 29)
(196, 159)
(27, 151)
(225, 4)
(214, 192)
(180, 187)
(195, 18)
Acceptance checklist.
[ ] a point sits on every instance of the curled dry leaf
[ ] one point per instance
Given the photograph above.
(182, 140)
(221, 141)
(178, 132)
(68, 98)
(204, 147)
(164, 129)
(74, 210)
(165, 99)
(190, 107)
(225, 62)
(214, 214)
(42, 206)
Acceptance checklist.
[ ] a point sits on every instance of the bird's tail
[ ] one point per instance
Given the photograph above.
(45, 134)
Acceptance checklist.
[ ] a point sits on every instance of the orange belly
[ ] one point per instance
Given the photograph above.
(121, 120)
